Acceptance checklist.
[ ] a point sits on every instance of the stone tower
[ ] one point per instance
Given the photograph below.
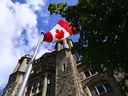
(16, 77)
(55, 69)
(67, 76)
(61, 73)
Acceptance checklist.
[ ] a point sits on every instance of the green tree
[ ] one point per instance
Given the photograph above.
(105, 23)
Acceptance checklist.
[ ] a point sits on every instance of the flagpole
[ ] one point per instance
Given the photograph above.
(26, 76)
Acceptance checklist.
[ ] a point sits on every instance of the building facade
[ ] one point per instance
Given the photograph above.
(15, 79)
(61, 73)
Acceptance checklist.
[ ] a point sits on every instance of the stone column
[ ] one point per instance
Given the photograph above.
(67, 82)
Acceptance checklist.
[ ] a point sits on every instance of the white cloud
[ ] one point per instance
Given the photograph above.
(36, 4)
(24, 15)
(16, 18)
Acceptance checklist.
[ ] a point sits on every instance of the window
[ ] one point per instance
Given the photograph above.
(78, 57)
(63, 67)
(34, 88)
(87, 74)
(84, 44)
(92, 71)
(48, 81)
(100, 89)
(83, 37)
(38, 84)
(108, 87)
(103, 88)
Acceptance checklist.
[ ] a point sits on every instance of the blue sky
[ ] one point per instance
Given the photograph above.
(21, 22)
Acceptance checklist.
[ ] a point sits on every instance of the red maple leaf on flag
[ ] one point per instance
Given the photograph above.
(59, 34)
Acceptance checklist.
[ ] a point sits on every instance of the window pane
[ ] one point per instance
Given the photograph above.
(87, 74)
(108, 87)
(100, 88)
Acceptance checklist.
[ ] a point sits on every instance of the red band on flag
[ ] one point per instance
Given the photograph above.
(67, 26)
(48, 37)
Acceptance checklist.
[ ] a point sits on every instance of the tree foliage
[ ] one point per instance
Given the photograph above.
(105, 23)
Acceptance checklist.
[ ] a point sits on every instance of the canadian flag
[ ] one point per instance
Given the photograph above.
(60, 31)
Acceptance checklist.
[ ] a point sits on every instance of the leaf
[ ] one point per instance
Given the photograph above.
(59, 34)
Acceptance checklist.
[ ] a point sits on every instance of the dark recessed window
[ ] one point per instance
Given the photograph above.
(100, 88)
(64, 67)
(108, 87)
(87, 74)
(103, 88)
(78, 57)
(92, 71)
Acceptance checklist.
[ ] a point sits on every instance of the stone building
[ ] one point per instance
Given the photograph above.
(96, 84)
(15, 79)
(61, 73)
(55, 69)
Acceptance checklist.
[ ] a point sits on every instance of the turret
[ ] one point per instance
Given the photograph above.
(16, 77)
(66, 43)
